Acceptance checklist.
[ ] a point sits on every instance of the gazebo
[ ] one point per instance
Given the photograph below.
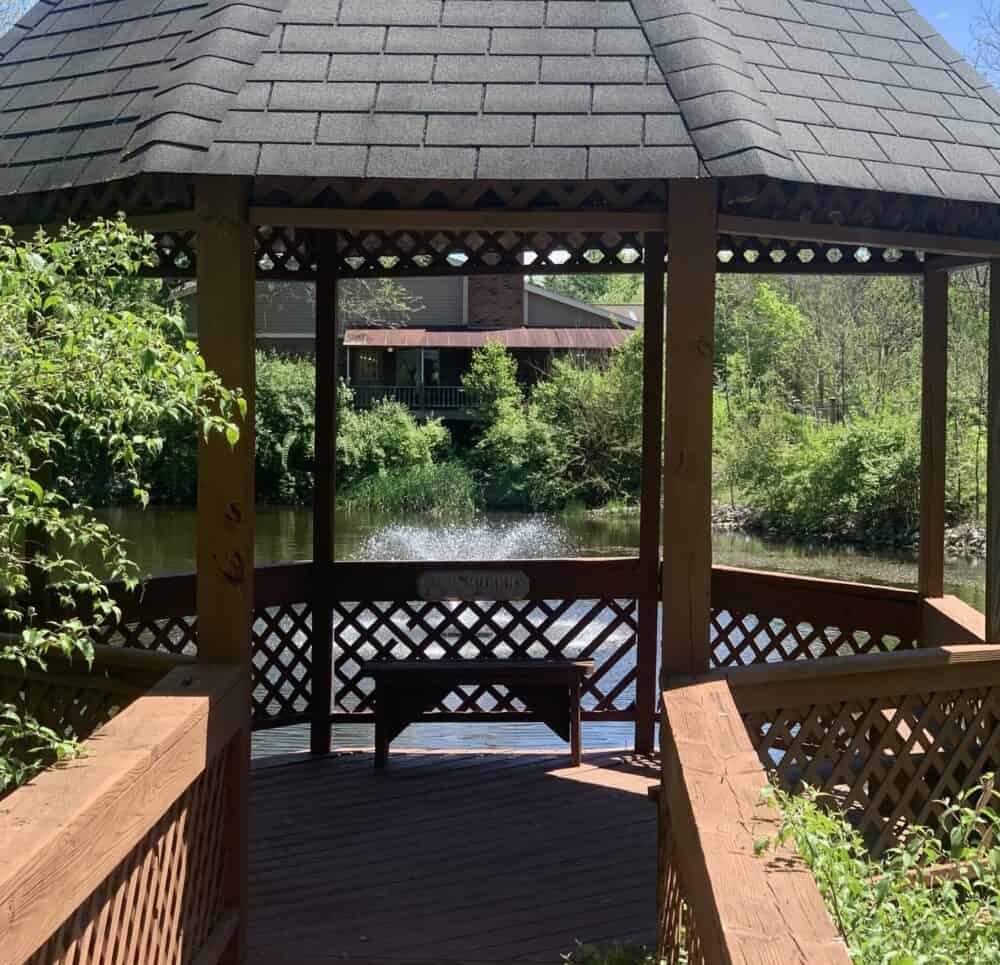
(314, 142)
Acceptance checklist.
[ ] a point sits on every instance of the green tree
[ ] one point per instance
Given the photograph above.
(491, 383)
(596, 289)
(91, 359)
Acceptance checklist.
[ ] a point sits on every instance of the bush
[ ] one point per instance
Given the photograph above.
(384, 439)
(848, 480)
(896, 910)
(442, 489)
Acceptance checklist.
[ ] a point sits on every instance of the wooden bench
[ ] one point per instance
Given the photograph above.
(405, 690)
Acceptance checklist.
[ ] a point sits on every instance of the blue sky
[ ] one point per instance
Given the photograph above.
(953, 18)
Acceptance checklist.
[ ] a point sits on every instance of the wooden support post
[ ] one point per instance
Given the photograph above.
(993, 465)
(687, 446)
(324, 493)
(654, 244)
(225, 551)
(933, 420)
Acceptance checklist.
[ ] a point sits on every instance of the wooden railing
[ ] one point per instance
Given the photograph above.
(717, 901)
(886, 735)
(413, 396)
(128, 853)
(760, 617)
(577, 608)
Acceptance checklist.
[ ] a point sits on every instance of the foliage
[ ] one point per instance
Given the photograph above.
(285, 421)
(445, 488)
(92, 361)
(897, 911)
(491, 382)
(578, 439)
(596, 289)
(384, 439)
(615, 955)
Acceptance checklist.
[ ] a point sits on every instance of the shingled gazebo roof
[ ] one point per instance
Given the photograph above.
(860, 93)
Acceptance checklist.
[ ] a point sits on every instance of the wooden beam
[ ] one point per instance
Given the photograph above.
(869, 237)
(361, 219)
(225, 542)
(687, 447)
(324, 489)
(933, 422)
(153, 223)
(993, 464)
(654, 244)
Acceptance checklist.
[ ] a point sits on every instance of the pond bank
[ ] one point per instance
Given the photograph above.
(964, 541)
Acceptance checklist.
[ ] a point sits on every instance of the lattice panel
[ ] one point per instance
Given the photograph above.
(741, 639)
(282, 663)
(814, 204)
(162, 902)
(177, 252)
(144, 194)
(484, 252)
(384, 194)
(676, 934)
(71, 706)
(885, 760)
(170, 634)
(600, 630)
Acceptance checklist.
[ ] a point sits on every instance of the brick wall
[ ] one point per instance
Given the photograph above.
(496, 301)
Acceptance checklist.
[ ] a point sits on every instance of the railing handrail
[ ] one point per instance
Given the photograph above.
(870, 675)
(742, 908)
(420, 396)
(66, 831)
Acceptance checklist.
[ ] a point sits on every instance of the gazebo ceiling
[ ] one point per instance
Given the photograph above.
(853, 94)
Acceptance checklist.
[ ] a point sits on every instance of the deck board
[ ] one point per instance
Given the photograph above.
(447, 858)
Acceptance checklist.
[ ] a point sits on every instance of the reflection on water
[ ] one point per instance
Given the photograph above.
(488, 539)
(164, 541)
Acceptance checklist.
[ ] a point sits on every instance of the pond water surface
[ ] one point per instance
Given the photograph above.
(164, 540)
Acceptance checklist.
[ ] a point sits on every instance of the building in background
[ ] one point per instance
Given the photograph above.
(419, 357)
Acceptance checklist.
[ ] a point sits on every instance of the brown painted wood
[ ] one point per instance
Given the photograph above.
(933, 423)
(67, 830)
(584, 579)
(950, 620)
(993, 464)
(687, 445)
(356, 219)
(844, 235)
(652, 474)
(816, 601)
(746, 909)
(225, 543)
(442, 857)
(863, 676)
(324, 489)
(406, 690)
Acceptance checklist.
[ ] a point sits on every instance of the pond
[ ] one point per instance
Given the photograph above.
(164, 541)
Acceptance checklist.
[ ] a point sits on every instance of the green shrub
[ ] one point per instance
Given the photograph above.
(613, 955)
(442, 489)
(384, 439)
(892, 912)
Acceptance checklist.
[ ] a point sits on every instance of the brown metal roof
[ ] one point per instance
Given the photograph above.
(514, 338)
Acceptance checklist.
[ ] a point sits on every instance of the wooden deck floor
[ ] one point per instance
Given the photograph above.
(449, 858)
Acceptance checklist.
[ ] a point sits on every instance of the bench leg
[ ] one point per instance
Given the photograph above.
(381, 738)
(575, 737)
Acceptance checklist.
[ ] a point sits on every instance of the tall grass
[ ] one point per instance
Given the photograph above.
(445, 488)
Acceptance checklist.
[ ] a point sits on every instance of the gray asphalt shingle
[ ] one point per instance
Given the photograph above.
(847, 93)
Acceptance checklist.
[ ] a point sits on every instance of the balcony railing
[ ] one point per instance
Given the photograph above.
(413, 396)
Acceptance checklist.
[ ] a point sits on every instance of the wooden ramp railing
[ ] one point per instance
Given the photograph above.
(717, 901)
(124, 854)
(886, 735)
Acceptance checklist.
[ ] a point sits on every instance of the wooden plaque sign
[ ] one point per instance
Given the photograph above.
(473, 585)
